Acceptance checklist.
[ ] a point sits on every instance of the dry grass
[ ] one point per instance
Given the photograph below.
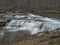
(43, 40)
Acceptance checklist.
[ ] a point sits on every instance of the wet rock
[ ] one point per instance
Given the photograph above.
(3, 22)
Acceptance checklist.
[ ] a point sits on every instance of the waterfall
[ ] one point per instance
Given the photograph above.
(32, 23)
(29, 24)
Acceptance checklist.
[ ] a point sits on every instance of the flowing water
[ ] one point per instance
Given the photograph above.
(28, 22)
(32, 23)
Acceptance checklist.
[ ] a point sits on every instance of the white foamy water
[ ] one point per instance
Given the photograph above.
(32, 23)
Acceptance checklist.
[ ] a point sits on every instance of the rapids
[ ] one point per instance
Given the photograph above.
(32, 23)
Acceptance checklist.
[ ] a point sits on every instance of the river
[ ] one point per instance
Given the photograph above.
(31, 23)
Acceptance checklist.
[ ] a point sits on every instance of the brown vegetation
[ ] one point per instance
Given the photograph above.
(30, 5)
(21, 38)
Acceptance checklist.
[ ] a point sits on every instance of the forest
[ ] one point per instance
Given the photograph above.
(30, 5)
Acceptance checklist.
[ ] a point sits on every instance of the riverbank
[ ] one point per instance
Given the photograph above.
(42, 40)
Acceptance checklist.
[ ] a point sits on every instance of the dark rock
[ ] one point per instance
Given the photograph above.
(3, 22)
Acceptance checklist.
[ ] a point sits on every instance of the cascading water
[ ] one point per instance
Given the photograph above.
(27, 22)
(32, 23)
